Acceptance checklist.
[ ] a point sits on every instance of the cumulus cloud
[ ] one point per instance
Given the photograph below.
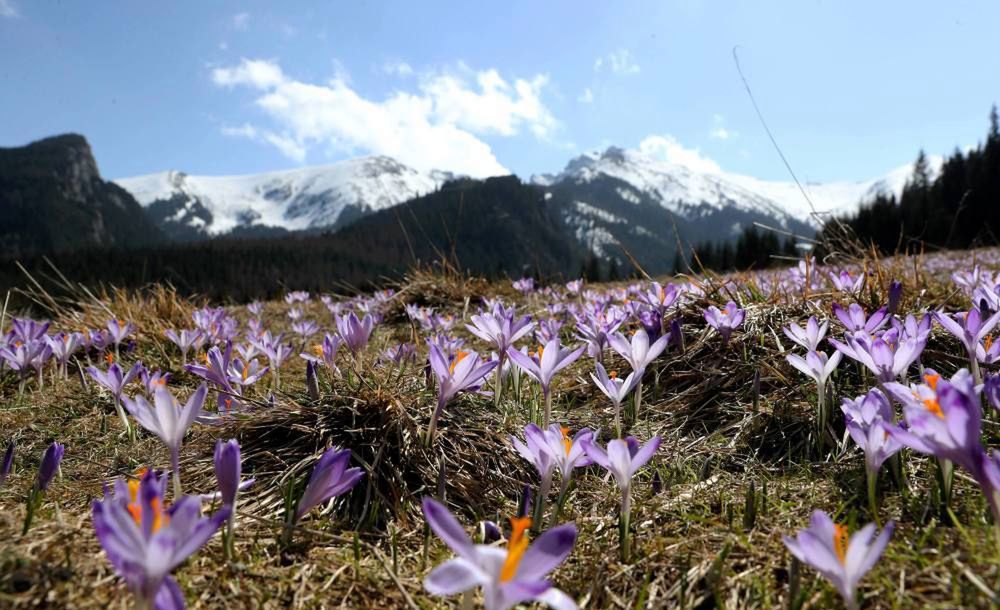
(618, 62)
(436, 126)
(586, 97)
(241, 21)
(667, 148)
(8, 9)
(719, 130)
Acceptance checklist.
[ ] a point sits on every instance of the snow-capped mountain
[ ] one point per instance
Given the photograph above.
(323, 197)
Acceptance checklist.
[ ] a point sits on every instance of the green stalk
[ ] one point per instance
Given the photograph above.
(872, 477)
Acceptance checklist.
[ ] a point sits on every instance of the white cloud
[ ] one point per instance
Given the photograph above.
(586, 97)
(435, 126)
(667, 148)
(719, 130)
(8, 9)
(241, 21)
(397, 68)
(619, 62)
(256, 73)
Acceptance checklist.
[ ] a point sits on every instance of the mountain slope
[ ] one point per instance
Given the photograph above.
(625, 201)
(52, 199)
(324, 197)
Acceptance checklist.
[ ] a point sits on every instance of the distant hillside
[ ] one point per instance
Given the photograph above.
(53, 200)
(497, 227)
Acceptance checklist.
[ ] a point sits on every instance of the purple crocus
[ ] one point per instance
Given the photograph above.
(118, 331)
(970, 328)
(863, 417)
(325, 353)
(808, 337)
(114, 380)
(543, 366)
(536, 450)
(355, 332)
(244, 374)
(500, 328)
(7, 464)
(330, 478)
(525, 285)
(841, 558)
(168, 421)
(463, 373)
(508, 577)
(991, 388)
(185, 340)
(639, 353)
(725, 320)
(615, 388)
(888, 356)
(63, 346)
(46, 472)
(623, 458)
(855, 320)
(145, 541)
(228, 473)
(818, 366)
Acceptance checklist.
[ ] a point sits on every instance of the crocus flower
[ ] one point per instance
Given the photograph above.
(169, 421)
(216, 372)
(567, 453)
(50, 465)
(660, 297)
(152, 379)
(542, 367)
(63, 346)
(8, 463)
(819, 367)
(508, 577)
(145, 541)
(845, 283)
(119, 330)
(623, 458)
(355, 332)
(536, 450)
(885, 357)
(246, 373)
(725, 320)
(46, 471)
(185, 340)
(808, 337)
(970, 328)
(464, 373)
(305, 329)
(639, 354)
(525, 285)
(841, 558)
(856, 321)
(991, 388)
(614, 388)
(115, 381)
(325, 353)
(330, 478)
(501, 328)
(895, 294)
(228, 472)
(864, 416)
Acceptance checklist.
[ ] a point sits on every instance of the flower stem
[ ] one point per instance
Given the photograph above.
(872, 476)
(624, 524)
(548, 408)
(175, 463)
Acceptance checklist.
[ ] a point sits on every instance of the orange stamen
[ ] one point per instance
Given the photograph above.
(459, 356)
(567, 441)
(932, 380)
(989, 341)
(613, 375)
(318, 350)
(516, 547)
(109, 357)
(160, 517)
(840, 542)
(932, 405)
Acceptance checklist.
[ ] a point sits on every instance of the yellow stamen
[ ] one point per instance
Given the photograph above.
(840, 542)
(318, 349)
(204, 357)
(246, 369)
(516, 547)
(613, 375)
(459, 356)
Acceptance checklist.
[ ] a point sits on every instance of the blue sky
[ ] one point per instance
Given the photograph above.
(850, 89)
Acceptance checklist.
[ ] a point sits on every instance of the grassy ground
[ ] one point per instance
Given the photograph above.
(736, 471)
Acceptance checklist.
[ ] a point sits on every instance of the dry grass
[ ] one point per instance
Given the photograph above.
(694, 546)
